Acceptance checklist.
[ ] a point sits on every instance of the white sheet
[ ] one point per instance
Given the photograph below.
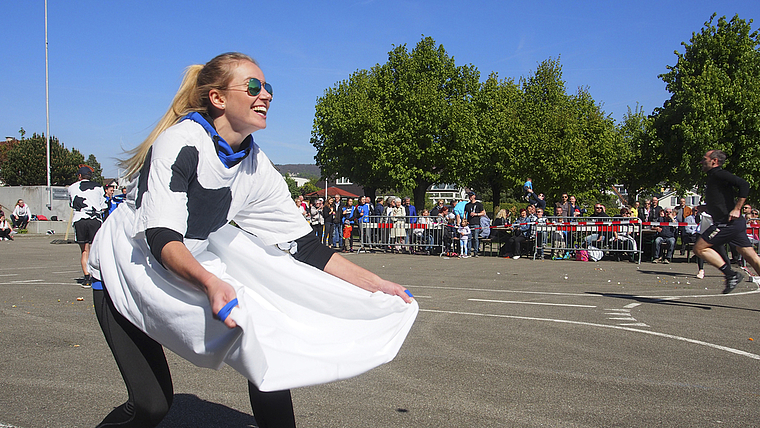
(299, 326)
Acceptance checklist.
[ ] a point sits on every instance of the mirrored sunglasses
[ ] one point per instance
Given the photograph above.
(254, 87)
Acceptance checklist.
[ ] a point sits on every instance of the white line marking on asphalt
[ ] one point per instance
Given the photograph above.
(623, 319)
(616, 327)
(26, 281)
(632, 305)
(9, 274)
(738, 293)
(548, 293)
(38, 283)
(2, 425)
(637, 324)
(531, 303)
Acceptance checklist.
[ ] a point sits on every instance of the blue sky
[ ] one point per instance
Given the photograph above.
(115, 66)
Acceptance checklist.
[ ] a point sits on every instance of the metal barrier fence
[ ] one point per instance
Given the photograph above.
(413, 234)
(559, 238)
(554, 237)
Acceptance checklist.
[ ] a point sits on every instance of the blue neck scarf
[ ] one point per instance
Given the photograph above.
(228, 157)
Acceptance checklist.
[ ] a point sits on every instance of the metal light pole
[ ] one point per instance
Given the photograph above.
(47, 114)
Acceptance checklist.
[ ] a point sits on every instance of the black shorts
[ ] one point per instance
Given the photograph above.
(85, 230)
(734, 233)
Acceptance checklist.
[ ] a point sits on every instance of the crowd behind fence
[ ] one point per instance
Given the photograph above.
(622, 238)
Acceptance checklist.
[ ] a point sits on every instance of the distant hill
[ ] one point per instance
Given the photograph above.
(300, 169)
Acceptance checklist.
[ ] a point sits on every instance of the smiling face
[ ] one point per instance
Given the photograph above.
(241, 113)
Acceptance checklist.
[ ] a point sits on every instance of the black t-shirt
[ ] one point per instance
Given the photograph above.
(720, 197)
(469, 209)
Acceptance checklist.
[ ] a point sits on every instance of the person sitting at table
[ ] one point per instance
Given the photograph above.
(521, 232)
(499, 222)
(665, 234)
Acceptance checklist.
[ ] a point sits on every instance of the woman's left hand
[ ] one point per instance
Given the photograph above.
(389, 287)
(342, 268)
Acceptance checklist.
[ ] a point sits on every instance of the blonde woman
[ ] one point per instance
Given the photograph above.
(500, 222)
(175, 273)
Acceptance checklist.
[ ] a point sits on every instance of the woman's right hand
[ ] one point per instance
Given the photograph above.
(219, 294)
(177, 258)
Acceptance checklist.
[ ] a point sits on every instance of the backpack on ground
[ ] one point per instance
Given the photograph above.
(581, 255)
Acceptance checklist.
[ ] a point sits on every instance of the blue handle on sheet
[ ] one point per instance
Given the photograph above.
(225, 311)
(408, 292)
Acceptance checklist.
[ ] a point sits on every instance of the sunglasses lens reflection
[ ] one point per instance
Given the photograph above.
(254, 87)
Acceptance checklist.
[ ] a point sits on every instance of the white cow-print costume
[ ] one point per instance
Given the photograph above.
(298, 325)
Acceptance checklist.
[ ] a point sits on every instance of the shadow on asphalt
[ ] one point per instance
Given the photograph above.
(669, 302)
(190, 411)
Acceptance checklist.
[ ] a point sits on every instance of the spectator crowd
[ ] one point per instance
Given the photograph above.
(462, 228)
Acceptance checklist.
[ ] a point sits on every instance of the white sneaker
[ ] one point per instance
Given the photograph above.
(701, 274)
(515, 257)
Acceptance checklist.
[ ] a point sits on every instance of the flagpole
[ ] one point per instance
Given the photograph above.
(47, 114)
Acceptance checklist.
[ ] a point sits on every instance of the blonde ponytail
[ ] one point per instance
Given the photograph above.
(192, 96)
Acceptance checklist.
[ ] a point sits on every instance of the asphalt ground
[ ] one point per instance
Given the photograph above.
(497, 343)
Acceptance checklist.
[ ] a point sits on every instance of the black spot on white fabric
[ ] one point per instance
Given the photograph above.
(79, 203)
(85, 185)
(206, 208)
(142, 181)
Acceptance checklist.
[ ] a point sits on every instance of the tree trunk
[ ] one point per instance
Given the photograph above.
(370, 191)
(419, 195)
(496, 196)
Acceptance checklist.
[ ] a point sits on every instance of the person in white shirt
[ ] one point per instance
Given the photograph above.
(5, 229)
(263, 296)
(20, 215)
(88, 201)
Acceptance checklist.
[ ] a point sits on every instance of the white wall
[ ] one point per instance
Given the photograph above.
(37, 198)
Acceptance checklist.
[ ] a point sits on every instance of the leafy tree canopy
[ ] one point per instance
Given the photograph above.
(26, 163)
(405, 123)
(714, 104)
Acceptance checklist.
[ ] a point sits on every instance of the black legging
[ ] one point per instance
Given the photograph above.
(143, 366)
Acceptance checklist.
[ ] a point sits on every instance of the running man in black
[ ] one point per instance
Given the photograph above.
(729, 226)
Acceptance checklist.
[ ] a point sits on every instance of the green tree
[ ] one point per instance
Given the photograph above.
(308, 187)
(638, 155)
(497, 106)
(292, 187)
(97, 173)
(714, 104)
(26, 163)
(429, 110)
(567, 143)
(349, 133)
(406, 123)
